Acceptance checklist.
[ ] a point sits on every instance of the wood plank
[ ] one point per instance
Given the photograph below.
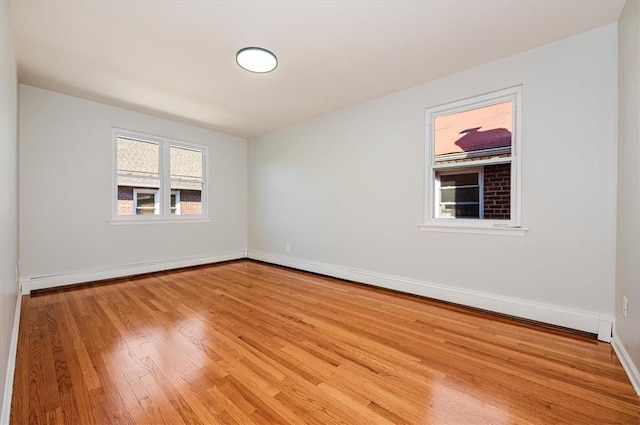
(249, 343)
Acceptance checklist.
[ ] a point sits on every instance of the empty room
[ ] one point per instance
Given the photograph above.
(320, 212)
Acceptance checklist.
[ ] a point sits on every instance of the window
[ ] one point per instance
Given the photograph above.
(472, 165)
(146, 201)
(175, 202)
(158, 178)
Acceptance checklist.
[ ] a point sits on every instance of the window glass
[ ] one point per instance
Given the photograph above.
(459, 195)
(146, 203)
(470, 132)
(155, 176)
(186, 176)
(459, 211)
(138, 166)
(175, 202)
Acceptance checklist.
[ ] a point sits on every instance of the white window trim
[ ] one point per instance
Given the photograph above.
(503, 227)
(177, 194)
(165, 215)
(156, 199)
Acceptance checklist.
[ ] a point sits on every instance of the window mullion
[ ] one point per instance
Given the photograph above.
(436, 195)
(481, 193)
(165, 181)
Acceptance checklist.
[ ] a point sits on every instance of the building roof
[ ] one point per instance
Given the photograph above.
(139, 165)
(475, 130)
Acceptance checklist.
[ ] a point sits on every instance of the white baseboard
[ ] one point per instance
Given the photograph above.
(570, 318)
(44, 282)
(11, 365)
(627, 363)
(556, 315)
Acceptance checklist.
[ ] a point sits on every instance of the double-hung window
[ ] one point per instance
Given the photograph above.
(158, 178)
(473, 154)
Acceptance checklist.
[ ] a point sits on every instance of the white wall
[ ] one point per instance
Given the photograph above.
(628, 241)
(66, 193)
(8, 203)
(347, 189)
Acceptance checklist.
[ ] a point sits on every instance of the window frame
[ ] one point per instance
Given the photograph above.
(431, 221)
(156, 199)
(176, 192)
(164, 190)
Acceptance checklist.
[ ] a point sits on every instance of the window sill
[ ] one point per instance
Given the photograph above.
(118, 222)
(484, 230)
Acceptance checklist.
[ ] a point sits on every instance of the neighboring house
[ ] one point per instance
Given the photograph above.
(461, 140)
(139, 179)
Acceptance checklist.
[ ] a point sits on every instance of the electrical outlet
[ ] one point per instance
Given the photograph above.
(288, 248)
(625, 306)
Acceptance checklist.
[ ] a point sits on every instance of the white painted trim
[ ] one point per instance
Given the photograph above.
(476, 163)
(11, 364)
(627, 363)
(62, 279)
(177, 219)
(605, 329)
(445, 158)
(547, 313)
(177, 195)
(483, 230)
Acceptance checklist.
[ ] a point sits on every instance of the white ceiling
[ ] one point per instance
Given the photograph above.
(176, 59)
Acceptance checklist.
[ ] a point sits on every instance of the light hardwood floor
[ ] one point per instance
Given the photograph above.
(248, 343)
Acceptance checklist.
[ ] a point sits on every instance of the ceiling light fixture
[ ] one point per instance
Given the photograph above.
(256, 59)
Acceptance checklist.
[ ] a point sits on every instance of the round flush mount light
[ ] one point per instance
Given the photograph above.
(256, 59)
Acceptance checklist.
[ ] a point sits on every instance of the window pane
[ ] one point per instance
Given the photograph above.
(134, 181)
(146, 204)
(460, 211)
(187, 177)
(174, 203)
(469, 179)
(138, 159)
(138, 166)
(460, 194)
(469, 133)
